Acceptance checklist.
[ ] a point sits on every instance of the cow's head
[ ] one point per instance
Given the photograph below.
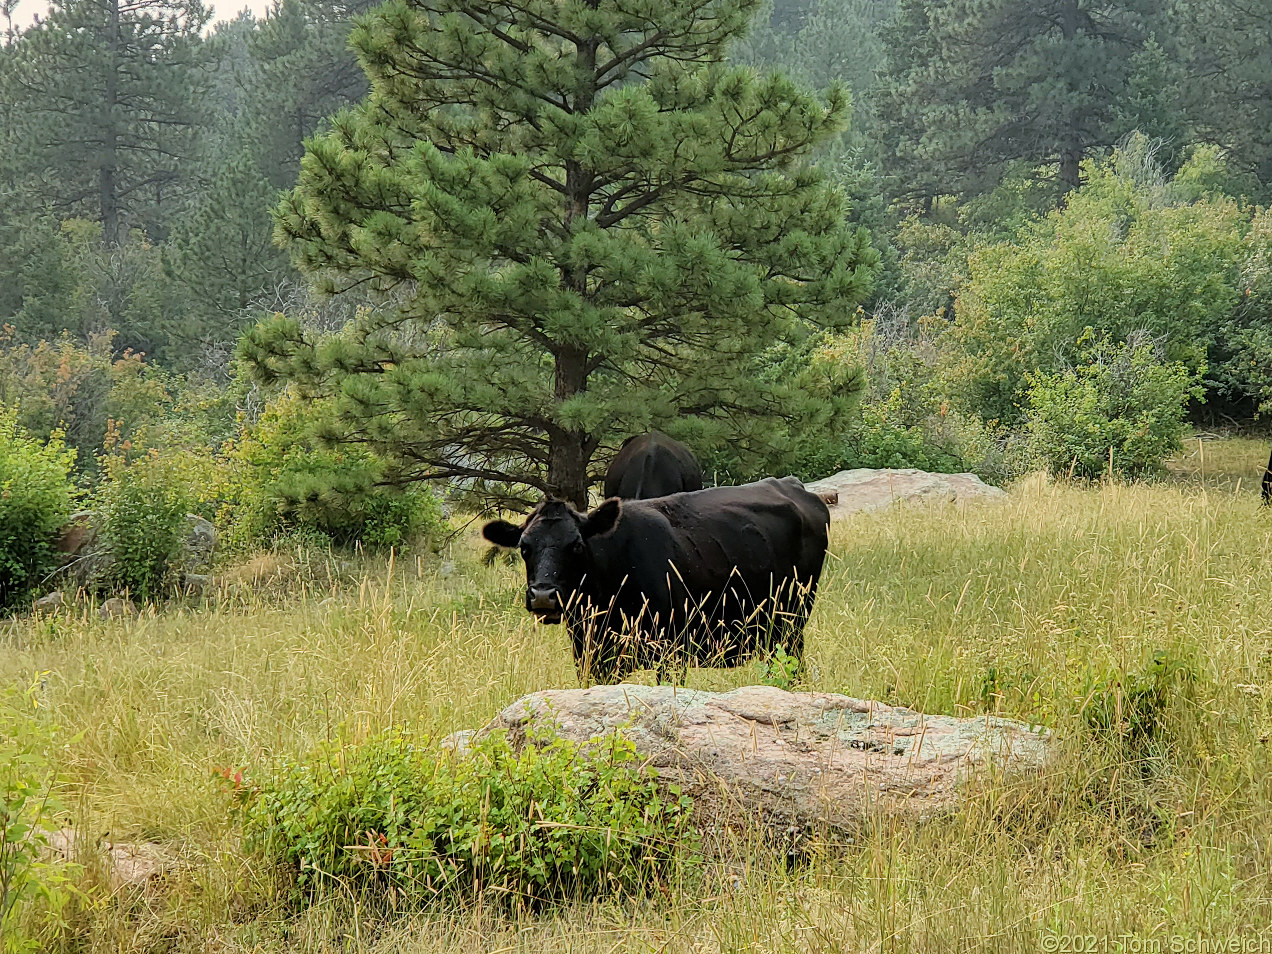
(554, 543)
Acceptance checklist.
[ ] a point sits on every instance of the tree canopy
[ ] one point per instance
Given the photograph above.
(593, 225)
(972, 86)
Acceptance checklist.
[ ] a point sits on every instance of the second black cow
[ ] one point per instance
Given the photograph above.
(713, 577)
(652, 465)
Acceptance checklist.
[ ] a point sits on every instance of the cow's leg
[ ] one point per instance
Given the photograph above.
(799, 607)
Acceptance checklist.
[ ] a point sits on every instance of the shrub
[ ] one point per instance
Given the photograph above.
(1131, 710)
(1124, 255)
(35, 500)
(28, 811)
(903, 418)
(290, 481)
(103, 401)
(1242, 365)
(1121, 411)
(555, 822)
(143, 506)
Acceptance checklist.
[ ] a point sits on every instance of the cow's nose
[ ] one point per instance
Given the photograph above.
(543, 599)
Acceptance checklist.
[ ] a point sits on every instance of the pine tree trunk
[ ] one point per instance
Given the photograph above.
(1071, 151)
(107, 185)
(1070, 169)
(569, 450)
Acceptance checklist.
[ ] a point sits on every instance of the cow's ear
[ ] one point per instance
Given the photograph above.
(603, 519)
(502, 533)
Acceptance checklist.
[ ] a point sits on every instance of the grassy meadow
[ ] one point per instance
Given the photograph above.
(1040, 608)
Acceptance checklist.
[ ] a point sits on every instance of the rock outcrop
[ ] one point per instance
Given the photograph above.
(807, 759)
(866, 489)
(50, 602)
(198, 546)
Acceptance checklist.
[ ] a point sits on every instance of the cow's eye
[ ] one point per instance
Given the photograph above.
(577, 547)
(525, 552)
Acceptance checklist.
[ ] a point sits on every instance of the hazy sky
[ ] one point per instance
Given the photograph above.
(222, 10)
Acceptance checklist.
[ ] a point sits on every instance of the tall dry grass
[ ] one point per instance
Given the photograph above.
(1029, 608)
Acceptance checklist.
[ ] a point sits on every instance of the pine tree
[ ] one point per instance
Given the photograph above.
(224, 250)
(108, 91)
(823, 43)
(1229, 100)
(12, 167)
(592, 225)
(973, 86)
(301, 71)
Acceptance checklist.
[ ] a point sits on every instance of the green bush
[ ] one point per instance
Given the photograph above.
(393, 819)
(289, 480)
(903, 418)
(35, 500)
(1124, 255)
(142, 507)
(106, 401)
(1131, 710)
(1242, 367)
(1119, 412)
(29, 877)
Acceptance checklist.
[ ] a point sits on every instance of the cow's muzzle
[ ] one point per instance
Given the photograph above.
(544, 604)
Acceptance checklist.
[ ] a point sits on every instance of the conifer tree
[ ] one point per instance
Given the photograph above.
(301, 72)
(593, 226)
(1229, 100)
(973, 86)
(223, 248)
(108, 92)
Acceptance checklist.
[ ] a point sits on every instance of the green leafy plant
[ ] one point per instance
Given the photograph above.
(289, 480)
(391, 817)
(28, 811)
(143, 507)
(35, 500)
(781, 669)
(1119, 412)
(1132, 709)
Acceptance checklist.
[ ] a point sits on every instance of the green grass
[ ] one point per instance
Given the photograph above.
(1026, 609)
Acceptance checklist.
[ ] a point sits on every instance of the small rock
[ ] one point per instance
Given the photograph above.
(199, 543)
(127, 864)
(115, 608)
(50, 603)
(196, 583)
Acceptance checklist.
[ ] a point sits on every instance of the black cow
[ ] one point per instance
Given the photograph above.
(1267, 484)
(713, 576)
(652, 465)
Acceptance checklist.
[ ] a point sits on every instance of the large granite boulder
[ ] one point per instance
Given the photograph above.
(806, 759)
(867, 489)
(78, 533)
